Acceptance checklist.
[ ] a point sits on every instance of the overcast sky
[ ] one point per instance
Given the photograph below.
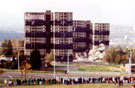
(120, 12)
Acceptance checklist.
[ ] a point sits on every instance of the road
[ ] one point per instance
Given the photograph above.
(10, 75)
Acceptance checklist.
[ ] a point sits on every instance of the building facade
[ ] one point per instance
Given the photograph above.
(58, 32)
(82, 36)
(49, 32)
(101, 34)
(38, 33)
(63, 36)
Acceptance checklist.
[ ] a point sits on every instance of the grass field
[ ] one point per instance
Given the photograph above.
(76, 86)
(84, 68)
(99, 68)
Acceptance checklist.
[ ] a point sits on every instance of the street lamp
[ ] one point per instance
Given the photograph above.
(18, 55)
(18, 61)
(54, 52)
(130, 62)
(68, 62)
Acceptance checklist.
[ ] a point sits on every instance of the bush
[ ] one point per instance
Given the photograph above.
(115, 55)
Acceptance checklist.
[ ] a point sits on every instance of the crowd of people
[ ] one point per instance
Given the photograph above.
(72, 80)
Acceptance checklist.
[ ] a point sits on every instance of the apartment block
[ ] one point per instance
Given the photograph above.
(63, 30)
(47, 31)
(38, 26)
(82, 36)
(58, 32)
(101, 34)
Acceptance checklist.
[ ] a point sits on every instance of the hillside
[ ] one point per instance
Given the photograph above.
(10, 35)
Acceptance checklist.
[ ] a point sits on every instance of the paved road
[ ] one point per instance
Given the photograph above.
(10, 75)
(63, 68)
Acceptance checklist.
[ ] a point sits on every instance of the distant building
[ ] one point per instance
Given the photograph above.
(101, 34)
(122, 36)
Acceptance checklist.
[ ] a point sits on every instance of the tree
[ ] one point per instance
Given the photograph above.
(125, 58)
(10, 48)
(8, 65)
(6, 47)
(25, 68)
(4, 43)
(35, 59)
(49, 58)
(14, 62)
(116, 55)
(20, 42)
(14, 43)
(117, 59)
(110, 55)
(1, 71)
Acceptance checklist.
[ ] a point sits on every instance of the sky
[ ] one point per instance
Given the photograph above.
(117, 12)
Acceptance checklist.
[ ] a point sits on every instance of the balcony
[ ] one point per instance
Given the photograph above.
(35, 34)
(35, 46)
(64, 34)
(80, 39)
(34, 22)
(64, 22)
(38, 23)
(105, 32)
(63, 46)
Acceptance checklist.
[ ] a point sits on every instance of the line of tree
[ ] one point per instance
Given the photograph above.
(117, 55)
(9, 49)
(6, 48)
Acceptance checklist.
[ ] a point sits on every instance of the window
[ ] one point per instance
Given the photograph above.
(82, 44)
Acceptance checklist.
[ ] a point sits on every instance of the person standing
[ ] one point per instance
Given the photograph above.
(5, 82)
(134, 86)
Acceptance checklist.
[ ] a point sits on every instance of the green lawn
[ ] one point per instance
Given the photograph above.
(10, 70)
(85, 68)
(76, 86)
(99, 68)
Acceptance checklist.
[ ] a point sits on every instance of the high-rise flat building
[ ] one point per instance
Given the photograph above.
(58, 32)
(82, 36)
(38, 26)
(63, 30)
(101, 34)
(43, 29)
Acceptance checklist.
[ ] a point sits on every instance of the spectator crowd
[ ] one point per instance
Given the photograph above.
(70, 81)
